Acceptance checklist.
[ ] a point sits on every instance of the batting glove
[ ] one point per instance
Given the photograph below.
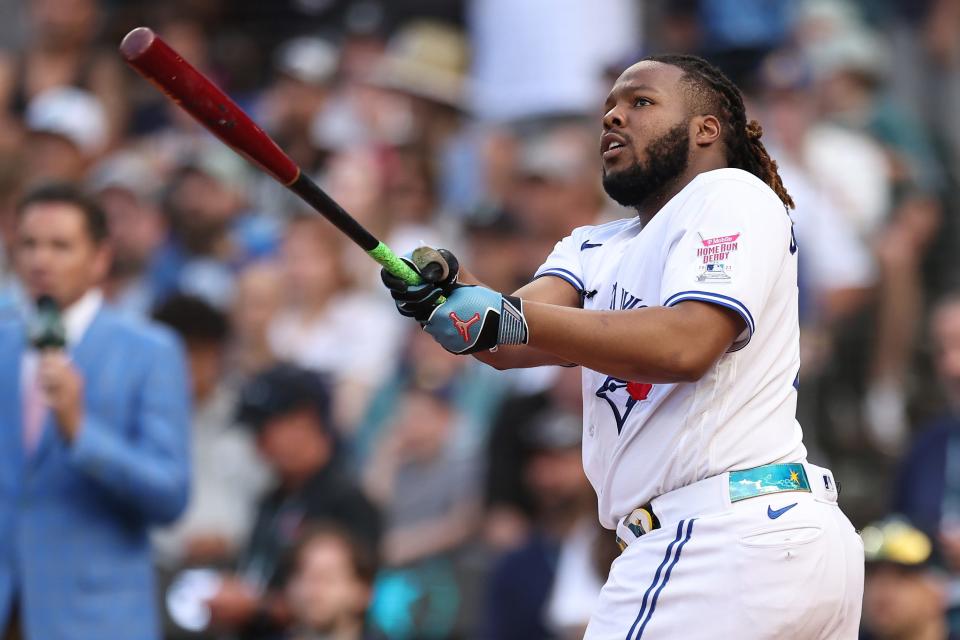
(476, 319)
(439, 270)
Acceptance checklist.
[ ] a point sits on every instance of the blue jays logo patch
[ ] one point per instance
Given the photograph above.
(622, 404)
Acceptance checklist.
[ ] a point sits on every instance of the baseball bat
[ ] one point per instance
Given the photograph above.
(193, 92)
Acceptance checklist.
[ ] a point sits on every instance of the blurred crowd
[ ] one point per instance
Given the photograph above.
(350, 478)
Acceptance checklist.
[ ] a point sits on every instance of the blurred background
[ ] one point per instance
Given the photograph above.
(444, 499)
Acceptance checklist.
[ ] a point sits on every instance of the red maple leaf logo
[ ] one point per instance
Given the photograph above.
(639, 390)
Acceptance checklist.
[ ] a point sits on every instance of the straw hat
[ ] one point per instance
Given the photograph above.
(428, 60)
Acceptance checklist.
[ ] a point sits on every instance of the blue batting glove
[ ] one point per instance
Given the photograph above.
(476, 319)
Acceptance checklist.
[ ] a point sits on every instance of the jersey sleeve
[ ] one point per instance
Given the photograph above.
(728, 249)
(564, 262)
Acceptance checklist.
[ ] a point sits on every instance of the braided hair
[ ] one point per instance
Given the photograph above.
(716, 95)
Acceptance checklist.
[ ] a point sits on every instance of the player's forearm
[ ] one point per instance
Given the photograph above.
(519, 357)
(548, 290)
(656, 344)
(511, 357)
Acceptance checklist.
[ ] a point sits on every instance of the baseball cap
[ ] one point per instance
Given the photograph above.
(128, 171)
(895, 541)
(220, 163)
(282, 389)
(72, 113)
(856, 50)
(309, 59)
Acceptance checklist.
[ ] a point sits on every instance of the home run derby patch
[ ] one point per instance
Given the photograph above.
(714, 258)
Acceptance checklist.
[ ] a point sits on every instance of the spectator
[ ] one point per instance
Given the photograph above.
(424, 71)
(60, 50)
(211, 234)
(305, 69)
(97, 444)
(289, 408)
(836, 268)
(473, 391)
(546, 586)
(228, 476)
(904, 596)
(428, 495)
(318, 326)
(535, 395)
(258, 298)
(499, 249)
(850, 67)
(926, 490)
(557, 191)
(430, 498)
(127, 189)
(331, 586)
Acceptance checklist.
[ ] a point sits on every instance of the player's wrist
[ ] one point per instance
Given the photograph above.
(513, 329)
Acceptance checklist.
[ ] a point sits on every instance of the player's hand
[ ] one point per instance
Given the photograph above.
(62, 387)
(474, 318)
(439, 270)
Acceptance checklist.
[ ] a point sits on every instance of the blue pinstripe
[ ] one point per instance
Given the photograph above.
(569, 276)
(709, 296)
(656, 579)
(666, 578)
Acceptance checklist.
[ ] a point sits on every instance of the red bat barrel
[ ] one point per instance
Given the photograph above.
(153, 58)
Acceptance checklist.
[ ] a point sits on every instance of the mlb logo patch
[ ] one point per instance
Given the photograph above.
(714, 272)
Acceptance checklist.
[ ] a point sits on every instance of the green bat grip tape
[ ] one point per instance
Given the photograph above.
(389, 261)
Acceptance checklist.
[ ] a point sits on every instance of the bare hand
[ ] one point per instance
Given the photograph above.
(234, 604)
(62, 387)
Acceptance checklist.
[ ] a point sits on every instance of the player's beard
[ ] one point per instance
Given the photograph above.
(667, 158)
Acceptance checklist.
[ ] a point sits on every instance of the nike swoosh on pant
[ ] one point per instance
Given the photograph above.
(773, 514)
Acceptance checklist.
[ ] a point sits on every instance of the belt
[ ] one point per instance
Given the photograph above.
(722, 490)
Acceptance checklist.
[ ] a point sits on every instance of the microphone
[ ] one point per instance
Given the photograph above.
(46, 327)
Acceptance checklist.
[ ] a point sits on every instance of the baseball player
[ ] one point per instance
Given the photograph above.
(684, 321)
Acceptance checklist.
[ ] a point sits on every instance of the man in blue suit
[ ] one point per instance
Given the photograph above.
(93, 439)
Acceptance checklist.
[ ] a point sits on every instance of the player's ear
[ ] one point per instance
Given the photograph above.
(705, 130)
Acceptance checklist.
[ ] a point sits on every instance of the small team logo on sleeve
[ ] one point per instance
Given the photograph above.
(714, 256)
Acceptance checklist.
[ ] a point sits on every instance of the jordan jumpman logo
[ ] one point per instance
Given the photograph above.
(463, 326)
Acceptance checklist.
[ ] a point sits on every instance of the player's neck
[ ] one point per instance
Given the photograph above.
(697, 165)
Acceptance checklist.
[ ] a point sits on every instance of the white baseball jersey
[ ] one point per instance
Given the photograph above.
(725, 239)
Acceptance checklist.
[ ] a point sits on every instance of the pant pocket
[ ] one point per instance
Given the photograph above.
(786, 536)
(776, 566)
